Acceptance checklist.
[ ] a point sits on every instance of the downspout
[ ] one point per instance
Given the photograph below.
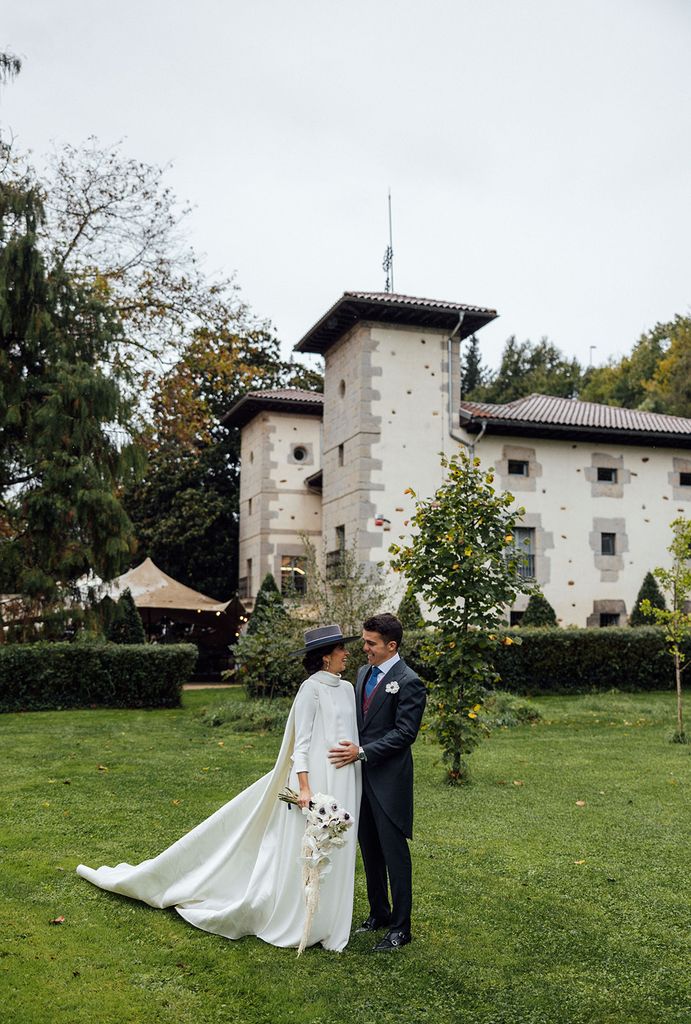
(470, 445)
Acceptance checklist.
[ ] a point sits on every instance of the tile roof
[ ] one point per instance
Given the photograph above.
(279, 399)
(546, 410)
(387, 307)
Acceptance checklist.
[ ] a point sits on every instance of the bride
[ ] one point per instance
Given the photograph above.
(238, 872)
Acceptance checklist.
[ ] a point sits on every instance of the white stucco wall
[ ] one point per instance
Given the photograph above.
(282, 508)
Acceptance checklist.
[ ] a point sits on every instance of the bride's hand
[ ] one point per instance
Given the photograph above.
(305, 794)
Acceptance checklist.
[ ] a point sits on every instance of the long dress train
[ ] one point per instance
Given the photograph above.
(238, 872)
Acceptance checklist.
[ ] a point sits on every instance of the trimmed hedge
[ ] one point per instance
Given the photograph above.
(554, 661)
(585, 660)
(51, 676)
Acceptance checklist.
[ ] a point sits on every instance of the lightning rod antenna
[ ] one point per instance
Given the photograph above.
(387, 262)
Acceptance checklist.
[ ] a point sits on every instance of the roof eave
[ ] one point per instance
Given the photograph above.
(349, 310)
(610, 435)
(249, 406)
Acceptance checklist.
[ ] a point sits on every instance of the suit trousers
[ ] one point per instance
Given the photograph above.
(386, 856)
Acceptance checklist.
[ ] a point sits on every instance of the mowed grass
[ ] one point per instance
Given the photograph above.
(530, 909)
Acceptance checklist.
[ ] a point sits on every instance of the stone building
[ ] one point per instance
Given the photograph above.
(600, 484)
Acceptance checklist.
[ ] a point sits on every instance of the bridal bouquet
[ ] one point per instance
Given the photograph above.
(324, 832)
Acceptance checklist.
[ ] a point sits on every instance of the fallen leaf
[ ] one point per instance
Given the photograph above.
(518, 782)
(58, 920)
(101, 768)
(579, 862)
(221, 743)
(580, 803)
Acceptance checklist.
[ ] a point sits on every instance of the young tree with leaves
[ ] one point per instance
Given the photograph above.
(461, 560)
(651, 593)
(675, 620)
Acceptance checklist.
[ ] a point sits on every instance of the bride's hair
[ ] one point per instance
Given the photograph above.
(312, 661)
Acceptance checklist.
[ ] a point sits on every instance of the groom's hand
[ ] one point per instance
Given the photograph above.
(345, 753)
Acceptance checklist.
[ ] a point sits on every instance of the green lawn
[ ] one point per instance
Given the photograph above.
(530, 909)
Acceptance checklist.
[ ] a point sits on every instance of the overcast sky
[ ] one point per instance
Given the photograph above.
(538, 151)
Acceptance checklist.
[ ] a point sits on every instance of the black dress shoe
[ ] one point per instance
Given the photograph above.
(372, 924)
(392, 940)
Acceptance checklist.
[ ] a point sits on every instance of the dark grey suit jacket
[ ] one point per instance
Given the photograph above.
(386, 735)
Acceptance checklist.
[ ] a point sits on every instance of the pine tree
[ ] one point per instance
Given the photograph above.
(127, 626)
(268, 598)
(63, 419)
(539, 612)
(409, 613)
(650, 591)
(473, 373)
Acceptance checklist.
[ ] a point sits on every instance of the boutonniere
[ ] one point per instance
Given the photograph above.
(392, 687)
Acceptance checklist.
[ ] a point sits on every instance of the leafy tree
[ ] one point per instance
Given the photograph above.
(126, 626)
(651, 593)
(531, 369)
(625, 382)
(473, 373)
(64, 419)
(409, 613)
(539, 612)
(185, 510)
(268, 604)
(670, 388)
(461, 561)
(675, 620)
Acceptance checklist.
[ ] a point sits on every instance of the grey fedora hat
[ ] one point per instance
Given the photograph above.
(322, 636)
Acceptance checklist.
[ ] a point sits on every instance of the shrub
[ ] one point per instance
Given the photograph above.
(409, 613)
(126, 626)
(649, 591)
(539, 612)
(263, 664)
(50, 676)
(584, 660)
(250, 716)
(267, 606)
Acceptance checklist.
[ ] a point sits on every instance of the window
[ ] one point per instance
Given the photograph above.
(515, 618)
(608, 543)
(249, 506)
(340, 454)
(685, 479)
(293, 574)
(342, 389)
(609, 618)
(518, 467)
(524, 551)
(299, 453)
(606, 475)
(335, 560)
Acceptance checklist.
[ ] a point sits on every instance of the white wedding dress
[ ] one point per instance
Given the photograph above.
(238, 872)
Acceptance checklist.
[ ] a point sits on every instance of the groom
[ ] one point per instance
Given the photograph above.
(390, 701)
